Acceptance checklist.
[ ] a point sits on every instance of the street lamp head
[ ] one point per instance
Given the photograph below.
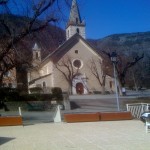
(113, 57)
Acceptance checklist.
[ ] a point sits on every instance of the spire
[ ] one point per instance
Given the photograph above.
(75, 18)
(75, 24)
(36, 55)
(35, 47)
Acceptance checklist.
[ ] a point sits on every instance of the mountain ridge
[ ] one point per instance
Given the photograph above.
(128, 46)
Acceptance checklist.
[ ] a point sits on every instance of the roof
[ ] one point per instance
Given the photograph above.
(75, 18)
(65, 47)
(33, 81)
(36, 47)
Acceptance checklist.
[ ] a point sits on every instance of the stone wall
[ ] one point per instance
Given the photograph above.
(14, 106)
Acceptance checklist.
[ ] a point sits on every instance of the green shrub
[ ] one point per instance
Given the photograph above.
(57, 93)
(36, 90)
(9, 94)
(97, 92)
(36, 97)
(107, 92)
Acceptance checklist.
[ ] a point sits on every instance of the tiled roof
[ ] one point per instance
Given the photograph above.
(65, 47)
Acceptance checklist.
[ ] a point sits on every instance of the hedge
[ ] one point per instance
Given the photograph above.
(57, 93)
(8, 94)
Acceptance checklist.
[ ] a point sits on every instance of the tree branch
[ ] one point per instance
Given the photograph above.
(3, 2)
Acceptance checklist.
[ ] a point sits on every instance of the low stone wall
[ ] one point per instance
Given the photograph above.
(13, 106)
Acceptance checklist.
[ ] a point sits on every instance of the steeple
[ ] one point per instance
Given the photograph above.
(36, 56)
(35, 47)
(75, 17)
(75, 24)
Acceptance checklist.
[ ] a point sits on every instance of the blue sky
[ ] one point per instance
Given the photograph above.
(106, 17)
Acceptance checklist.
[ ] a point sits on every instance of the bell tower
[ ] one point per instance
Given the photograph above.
(75, 24)
(36, 57)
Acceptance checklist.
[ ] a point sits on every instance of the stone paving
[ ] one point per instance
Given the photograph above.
(107, 135)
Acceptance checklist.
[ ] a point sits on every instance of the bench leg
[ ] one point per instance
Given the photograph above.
(147, 128)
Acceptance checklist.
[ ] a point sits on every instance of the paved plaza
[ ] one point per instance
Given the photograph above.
(40, 133)
(106, 135)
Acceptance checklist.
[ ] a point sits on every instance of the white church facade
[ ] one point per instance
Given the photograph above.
(71, 66)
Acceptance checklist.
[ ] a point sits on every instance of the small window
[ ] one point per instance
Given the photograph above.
(7, 74)
(44, 84)
(110, 84)
(77, 20)
(76, 51)
(68, 33)
(4, 85)
(10, 85)
(37, 55)
(78, 31)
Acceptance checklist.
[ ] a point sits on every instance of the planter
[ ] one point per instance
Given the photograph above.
(110, 116)
(10, 120)
(99, 116)
(89, 117)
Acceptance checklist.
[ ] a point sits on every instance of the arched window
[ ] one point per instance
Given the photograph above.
(78, 31)
(44, 84)
(68, 33)
(10, 85)
(76, 51)
(4, 85)
(37, 55)
(77, 20)
(110, 84)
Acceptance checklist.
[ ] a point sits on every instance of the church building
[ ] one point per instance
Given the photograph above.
(74, 66)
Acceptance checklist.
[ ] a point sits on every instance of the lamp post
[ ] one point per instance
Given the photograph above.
(113, 57)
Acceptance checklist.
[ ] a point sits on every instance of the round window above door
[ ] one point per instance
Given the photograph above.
(77, 63)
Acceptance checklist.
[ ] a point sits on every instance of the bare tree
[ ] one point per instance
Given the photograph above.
(13, 35)
(122, 67)
(68, 71)
(97, 69)
(141, 73)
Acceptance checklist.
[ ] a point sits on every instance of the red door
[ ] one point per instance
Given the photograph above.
(79, 88)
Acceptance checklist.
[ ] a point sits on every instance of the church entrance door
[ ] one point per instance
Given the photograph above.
(79, 88)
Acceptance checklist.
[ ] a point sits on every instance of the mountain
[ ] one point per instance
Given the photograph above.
(124, 43)
(48, 39)
(129, 46)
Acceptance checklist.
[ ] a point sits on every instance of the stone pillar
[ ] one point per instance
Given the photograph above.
(67, 104)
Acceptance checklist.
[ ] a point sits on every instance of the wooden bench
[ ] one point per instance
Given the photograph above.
(110, 116)
(86, 117)
(10, 120)
(99, 116)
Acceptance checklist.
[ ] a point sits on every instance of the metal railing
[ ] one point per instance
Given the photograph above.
(137, 109)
